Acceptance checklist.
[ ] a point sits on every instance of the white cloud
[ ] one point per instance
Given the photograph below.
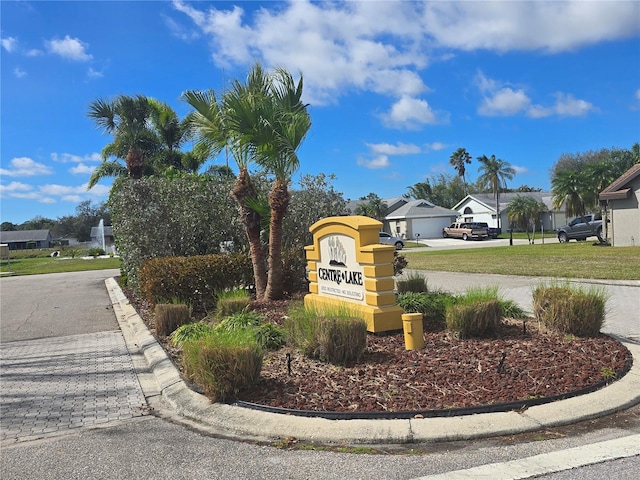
(340, 46)
(72, 198)
(81, 168)
(381, 161)
(34, 52)
(547, 26)
(9, 44)
(638, 94)
(15, 187)
(18, 72)
(568, 106)
(435, 146)
(411, 113)
(69, 48)
(25, 167)
(504, 102)
(91, 73)
(70, 158)
(398, 149)
(520, 170)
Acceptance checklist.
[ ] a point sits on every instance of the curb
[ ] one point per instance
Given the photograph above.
(246, 424)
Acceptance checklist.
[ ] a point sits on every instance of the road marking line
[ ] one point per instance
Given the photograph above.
(548, 462)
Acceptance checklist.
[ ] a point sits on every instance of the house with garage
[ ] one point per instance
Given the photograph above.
(622, 207)
(27, 239)
(418, 219)
(411, 219)
(481, 207)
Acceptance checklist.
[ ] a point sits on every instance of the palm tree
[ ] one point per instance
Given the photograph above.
(128, 120)
(459, 159)
(172, 133)
(217, 124)
(523, 211)
(282, 127)
(494, 175)
(571, 188)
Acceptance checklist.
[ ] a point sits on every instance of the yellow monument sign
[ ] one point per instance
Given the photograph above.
(348, 266)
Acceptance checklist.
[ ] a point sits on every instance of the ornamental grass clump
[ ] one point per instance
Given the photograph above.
(570, 310)
(191, 332)
(168, 317)
(334, 335)
(413, 283)
(476, 313)
(232, 301)
(223, 363)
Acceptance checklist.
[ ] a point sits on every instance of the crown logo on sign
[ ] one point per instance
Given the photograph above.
(337, 253)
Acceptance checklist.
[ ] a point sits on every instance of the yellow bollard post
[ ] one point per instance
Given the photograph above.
(413, 333)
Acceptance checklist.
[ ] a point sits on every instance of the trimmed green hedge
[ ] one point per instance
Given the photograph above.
(194, 280)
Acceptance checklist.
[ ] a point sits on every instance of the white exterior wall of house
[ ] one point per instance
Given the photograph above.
(429, 228)
(624, 229)
(470, 209)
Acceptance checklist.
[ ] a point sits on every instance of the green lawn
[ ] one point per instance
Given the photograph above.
(566, 260)
(32, 266)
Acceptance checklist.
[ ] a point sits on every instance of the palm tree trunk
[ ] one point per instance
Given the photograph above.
(242, 190)
(279, 201)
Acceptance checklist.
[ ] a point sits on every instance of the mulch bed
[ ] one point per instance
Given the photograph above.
(447, 373)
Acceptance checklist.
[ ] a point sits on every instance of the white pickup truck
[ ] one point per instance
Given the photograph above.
(581, 228)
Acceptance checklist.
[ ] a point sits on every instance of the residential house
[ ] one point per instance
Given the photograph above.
(481, 207)
(418, 219)
(622, 201)
(411, 219)
(26, 239)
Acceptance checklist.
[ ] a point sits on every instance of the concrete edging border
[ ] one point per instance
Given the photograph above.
(246, 424)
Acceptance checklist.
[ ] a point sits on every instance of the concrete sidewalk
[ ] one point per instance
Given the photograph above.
(187, 406)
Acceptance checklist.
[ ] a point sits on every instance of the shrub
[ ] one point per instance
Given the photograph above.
(476, 313)
(294, 273)
(432, 305)
(168, 317)
(157, 216)
(568, 310)
(191, 332)
(414, 282)
(232, 301)
(95, 252)
(399, 263)
(194, 280)
(239, 321)
(223, 363)
(270, 336)
(333, 335)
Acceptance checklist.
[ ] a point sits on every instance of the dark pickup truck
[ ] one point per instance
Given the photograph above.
(581, 228)
(493, 232)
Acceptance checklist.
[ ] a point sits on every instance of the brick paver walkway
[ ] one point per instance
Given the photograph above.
(51, 385)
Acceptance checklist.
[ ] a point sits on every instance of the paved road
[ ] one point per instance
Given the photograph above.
(63, 361)
(129, 443)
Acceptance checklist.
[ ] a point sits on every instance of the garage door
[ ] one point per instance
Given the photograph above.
(430, 227)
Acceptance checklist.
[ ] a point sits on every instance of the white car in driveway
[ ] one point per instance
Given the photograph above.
(388, 239)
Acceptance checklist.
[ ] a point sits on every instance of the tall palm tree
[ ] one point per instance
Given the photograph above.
(283, 125)
(218, 125)
(127, 119)
(459, 159)
(494, 175)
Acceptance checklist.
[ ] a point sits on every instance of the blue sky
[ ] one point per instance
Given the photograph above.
(394, 87)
